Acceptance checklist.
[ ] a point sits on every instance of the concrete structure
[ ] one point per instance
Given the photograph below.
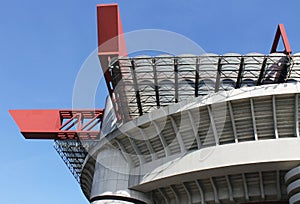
(184, 129)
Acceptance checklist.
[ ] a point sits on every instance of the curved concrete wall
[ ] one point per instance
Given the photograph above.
(111, 177)
(292, 180)
(168, 154)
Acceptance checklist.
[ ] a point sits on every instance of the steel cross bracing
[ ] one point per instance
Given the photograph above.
(84, 125)
(153, 82)
(73, 154)
(68, 129)
(145, 83)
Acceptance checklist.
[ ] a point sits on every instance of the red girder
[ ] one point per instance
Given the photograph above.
(111, 44)
(59, 124)
(281, 33)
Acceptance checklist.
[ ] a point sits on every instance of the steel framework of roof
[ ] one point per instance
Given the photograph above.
(149, 83)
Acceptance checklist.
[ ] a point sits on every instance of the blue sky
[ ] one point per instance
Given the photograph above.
(43, 45)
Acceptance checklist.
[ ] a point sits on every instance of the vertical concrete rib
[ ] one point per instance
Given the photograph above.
(163, 195)
(253, 119)
(261, 184)
(233, 122)
(274, 116)
(230, 191)
(136, 150)
(175, 194)
(162, 139)
(200, 191)
(148, 144)
(178, 135)
(195, 129)
(187, 193)
(297, 115)
(278, 187)
(125, 154)
(215, 190)
(245, 187)
(212, 122)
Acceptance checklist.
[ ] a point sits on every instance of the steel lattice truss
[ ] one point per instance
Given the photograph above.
(68, 128)
(149, 83)
(73, 154)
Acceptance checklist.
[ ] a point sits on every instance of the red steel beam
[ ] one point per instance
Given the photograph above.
(59, 124)
(111, 44)
(110, 32)
(281, 33)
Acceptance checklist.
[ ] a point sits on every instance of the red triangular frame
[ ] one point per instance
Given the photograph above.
(281, 32)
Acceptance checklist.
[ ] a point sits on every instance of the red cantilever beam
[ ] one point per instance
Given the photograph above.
(58, 124)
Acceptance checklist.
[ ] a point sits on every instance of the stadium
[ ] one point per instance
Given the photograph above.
(182, 129)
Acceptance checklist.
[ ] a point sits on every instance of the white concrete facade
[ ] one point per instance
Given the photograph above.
(227, 147)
